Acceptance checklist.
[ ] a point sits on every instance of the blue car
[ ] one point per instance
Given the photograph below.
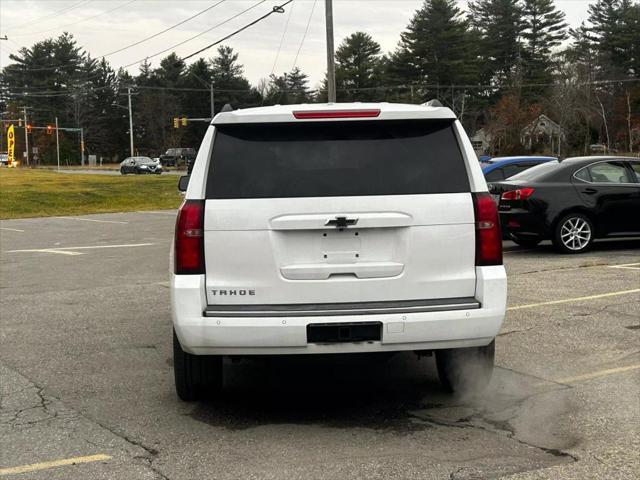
(501, 168)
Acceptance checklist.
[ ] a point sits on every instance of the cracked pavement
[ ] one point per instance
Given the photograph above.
(85, 368)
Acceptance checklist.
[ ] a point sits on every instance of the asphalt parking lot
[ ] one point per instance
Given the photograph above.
(86, 382)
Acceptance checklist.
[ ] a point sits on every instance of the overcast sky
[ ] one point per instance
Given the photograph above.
(103, 26)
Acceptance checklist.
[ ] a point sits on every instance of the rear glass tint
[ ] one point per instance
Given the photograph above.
(323, 159)
(538, 172)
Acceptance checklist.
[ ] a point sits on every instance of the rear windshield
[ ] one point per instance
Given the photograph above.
(537, 172)
(336, 159)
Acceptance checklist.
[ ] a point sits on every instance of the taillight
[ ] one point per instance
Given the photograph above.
(488, 235)
(189, 239)
(519, 194)
(317, 114)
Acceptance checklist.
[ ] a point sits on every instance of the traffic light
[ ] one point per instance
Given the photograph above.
(29, 127)
(184, 121)
(49, 129)
(176, 122)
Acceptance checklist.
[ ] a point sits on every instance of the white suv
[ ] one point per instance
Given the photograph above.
(340, 228)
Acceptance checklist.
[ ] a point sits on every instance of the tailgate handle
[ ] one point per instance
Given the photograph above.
(341, 222)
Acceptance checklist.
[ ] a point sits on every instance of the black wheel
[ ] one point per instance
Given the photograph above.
(196, 376)
(466, 370)
(573, 233)
(122, 172)
(528, 242)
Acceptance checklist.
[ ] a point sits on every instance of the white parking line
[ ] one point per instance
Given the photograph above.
(630, 266)
(91, 220)
(575, 299)
(11, 229)
(55, 463)
(171, 213)
(589, 376)
(71, 250)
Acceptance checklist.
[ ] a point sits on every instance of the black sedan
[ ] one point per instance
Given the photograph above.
(140, 165)
(572, 202)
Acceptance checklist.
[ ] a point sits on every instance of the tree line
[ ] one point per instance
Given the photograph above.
(498, 67)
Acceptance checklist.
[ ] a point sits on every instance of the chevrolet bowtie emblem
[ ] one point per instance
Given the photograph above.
(341, 222)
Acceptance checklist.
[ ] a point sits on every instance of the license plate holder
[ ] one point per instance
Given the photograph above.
(344, 332)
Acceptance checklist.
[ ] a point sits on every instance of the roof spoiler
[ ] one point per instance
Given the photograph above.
(433, 103)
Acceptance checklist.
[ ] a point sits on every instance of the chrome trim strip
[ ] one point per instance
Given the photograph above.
(295, 311)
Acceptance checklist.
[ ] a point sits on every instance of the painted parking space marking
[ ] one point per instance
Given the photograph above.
(575, 299)
(630, 266)
(72, 250)
(91, 220)
(53, 464)
(601, 373)
(11, 229)
(172, 213)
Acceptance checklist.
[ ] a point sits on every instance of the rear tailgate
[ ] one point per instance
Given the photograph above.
(359, 211)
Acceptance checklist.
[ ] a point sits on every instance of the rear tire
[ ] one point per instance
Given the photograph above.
(573, 233)
(196, 376)
(466, 371)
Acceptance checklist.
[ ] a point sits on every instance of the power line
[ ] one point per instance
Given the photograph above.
(195, 36)
(354, 89)
(304, 36)
(53, 14)
(276, 9)
(284, 32)
(85, 19)
(42, 69)
(163, 31)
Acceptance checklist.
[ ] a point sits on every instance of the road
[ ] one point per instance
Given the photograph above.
(89, 171)
(87, 381)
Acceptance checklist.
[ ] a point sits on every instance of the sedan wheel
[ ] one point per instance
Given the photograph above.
(574, 233)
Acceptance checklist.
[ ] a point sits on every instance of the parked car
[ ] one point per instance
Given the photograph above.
(501, 168)
(572, 203)
(178, 157)
(140, 165)
(341, 228)
(4, 159)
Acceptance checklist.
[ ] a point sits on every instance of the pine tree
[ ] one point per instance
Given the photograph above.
(543, 28)
(437, 50)
(614, 31)
(499, 25)
(358, 68)
(229, 81)
(288, 88)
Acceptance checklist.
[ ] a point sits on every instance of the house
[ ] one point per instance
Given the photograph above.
(481, 141)
(543, 132)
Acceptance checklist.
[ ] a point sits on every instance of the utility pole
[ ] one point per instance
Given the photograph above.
(130, 122)
(26, 135)
(212, 104)
(331, 68)
(57, 144)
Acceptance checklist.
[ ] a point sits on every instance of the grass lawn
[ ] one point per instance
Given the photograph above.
(40, 193)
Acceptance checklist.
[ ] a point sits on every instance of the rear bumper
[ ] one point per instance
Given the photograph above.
(283, 335)
(522, 222)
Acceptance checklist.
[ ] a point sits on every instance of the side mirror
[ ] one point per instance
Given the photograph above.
(183, 183)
